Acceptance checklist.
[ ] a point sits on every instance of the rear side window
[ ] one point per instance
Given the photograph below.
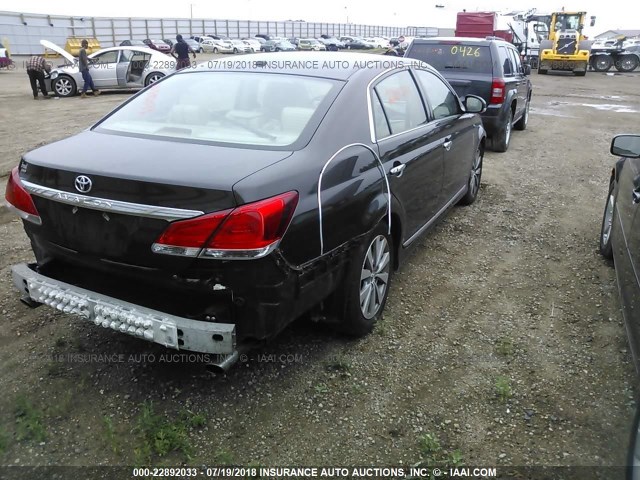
(401, 102)
(442, 100)
(454, 56)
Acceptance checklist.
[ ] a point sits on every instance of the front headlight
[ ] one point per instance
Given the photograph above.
(54, 75)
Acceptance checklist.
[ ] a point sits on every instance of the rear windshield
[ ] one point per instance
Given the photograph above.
(241, 108)
(454, 56)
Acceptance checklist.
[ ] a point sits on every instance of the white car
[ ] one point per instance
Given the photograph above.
(253, 44)
(111, 68)
(311, 44)
(378, 42)
(240, 47)
(211, 45)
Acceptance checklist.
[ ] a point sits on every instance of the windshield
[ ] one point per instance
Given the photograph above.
(567, 22)
(242, 108)
(453, 57)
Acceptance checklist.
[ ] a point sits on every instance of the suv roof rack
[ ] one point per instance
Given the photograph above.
(492, 37)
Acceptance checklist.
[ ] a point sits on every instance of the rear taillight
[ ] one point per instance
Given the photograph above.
(19, 200)
(249, 231)
(498, 91)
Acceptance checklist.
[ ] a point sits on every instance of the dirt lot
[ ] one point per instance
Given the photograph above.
(503, 337)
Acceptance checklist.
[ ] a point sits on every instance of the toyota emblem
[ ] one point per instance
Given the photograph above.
(83, 184)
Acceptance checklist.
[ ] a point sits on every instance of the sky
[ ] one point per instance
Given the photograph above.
(390, 13)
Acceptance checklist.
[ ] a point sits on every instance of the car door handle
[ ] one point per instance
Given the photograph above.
(398, 169)
(447, 143)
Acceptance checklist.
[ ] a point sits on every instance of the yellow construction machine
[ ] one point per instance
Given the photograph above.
(566, 48)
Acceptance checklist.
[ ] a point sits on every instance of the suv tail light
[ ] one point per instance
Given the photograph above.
(249, 231)
(19, 200)
(498, 91)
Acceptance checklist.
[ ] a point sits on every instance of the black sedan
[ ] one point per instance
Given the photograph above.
(620, 233)
(210, 222)
(357, 44)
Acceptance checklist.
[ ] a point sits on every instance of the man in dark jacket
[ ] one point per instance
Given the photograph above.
(36, 66)
(83, 65)
(182, 50)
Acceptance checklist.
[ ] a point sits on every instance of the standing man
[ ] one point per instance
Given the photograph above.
(36, 66)
(84, 69)
(182, 50)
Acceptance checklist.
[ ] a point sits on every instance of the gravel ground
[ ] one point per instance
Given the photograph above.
(503, 335)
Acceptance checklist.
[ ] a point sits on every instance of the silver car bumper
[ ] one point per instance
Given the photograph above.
(145, 323)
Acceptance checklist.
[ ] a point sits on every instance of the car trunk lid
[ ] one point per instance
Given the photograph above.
(137, 186)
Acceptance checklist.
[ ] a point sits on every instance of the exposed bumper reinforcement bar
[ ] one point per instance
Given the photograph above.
(152, 325)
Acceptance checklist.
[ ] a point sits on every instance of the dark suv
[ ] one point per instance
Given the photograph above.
(490, 68)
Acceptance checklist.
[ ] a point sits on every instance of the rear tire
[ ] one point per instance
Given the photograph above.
(502, 139)
(360, 300)
(606, 248)
(602, 63)
(627, 63)
(524, 120)
(475, 177)
(153, 78)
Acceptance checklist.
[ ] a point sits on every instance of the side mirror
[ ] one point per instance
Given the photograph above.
(626, 146)
(527, 69)
(474, 104)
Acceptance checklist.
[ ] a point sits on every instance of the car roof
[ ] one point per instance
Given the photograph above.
(335, 65)
(479, 41)
(132, 47)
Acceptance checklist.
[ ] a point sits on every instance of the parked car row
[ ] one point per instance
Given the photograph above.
(211, 43)
(271, 43)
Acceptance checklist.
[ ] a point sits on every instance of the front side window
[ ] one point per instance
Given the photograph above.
(515, 58)
(507, 63)
(442, 100)
(106, 57)
(401, 102)
(242, 108)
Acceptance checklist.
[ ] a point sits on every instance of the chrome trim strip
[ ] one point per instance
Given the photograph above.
(453, 200)
(24, 215)
(384, 175)
(107, 205)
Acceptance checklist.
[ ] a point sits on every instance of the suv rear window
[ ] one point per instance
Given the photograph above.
(454, 56)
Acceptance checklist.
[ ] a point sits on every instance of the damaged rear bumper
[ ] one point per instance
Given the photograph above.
(152, 325)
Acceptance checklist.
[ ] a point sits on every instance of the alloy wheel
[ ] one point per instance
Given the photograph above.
(63, 87)
(608, 219)
(476, 173)
(374, 277)
(153, 78)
